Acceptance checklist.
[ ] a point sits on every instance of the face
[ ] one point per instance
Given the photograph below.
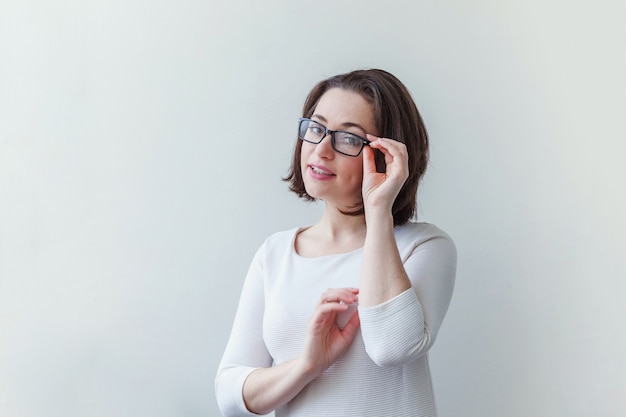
(328, 175)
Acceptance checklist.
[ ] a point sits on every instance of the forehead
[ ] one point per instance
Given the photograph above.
(340, 108)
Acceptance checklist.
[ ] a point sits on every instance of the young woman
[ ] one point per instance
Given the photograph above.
(336, 319)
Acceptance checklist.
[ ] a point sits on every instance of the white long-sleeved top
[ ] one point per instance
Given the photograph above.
(385, 371)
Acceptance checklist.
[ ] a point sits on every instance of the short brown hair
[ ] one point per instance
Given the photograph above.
(396, 117)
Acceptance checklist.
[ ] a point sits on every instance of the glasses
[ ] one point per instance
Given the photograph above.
(345, 143)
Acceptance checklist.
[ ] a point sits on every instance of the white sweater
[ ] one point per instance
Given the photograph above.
(385, 371)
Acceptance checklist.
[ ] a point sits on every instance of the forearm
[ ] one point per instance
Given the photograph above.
(266, 389)
(383, 276)
(405, 326)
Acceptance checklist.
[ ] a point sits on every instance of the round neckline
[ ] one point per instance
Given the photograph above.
(297, 255)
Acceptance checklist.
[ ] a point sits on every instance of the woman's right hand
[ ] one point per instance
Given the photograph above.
(266, 389)
(326, 341)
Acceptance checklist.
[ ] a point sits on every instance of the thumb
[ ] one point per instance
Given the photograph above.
(350, 330)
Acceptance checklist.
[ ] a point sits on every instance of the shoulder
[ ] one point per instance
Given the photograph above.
(274, 249)
(420, 232)
(279, 242)
(413, 235)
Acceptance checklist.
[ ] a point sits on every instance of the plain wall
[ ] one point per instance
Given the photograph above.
(142, 145)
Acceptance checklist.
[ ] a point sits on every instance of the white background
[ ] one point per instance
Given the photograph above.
(141, 149)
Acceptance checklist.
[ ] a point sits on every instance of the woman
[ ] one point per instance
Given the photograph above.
(336, 319)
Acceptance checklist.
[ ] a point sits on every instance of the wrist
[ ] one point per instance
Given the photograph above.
(377, 215)
(306, 370)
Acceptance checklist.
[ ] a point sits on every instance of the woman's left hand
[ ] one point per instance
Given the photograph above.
(381, 188)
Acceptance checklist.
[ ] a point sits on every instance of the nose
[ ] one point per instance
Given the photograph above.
(325, 148)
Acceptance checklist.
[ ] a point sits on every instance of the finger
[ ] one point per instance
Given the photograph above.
(351, 328)
(326, 308)
(339, 298)
(389, 146)
(369, 164)
(337, 295)
(325, 315)
(396, 154)
(333, 292)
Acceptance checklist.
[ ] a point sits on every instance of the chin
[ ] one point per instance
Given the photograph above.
(314, 193)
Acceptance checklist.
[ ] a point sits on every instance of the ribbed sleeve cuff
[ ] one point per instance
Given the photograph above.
(392, 330)
(229, 392)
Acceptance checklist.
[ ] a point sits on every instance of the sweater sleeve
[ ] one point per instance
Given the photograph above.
(245, 350)
(403, 328)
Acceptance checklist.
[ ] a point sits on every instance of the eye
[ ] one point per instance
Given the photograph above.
(316, 129)
(351, 140)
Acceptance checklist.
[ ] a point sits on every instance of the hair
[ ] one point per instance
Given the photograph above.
(396, 117)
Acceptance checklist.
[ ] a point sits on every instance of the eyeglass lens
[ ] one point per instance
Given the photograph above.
(343, 142)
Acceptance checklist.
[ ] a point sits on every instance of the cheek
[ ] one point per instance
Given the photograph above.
(356, 171)
(304, 153)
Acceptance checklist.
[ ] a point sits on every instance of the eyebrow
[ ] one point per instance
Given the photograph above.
(344, 125)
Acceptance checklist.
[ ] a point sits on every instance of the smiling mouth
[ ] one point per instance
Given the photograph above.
(320, 171)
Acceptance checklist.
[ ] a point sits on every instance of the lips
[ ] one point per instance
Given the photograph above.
(320, 170)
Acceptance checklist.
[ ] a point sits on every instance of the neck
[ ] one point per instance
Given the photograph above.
(334, 233)
(338, 226)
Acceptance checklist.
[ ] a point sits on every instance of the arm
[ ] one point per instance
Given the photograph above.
(403, 299)
(404, 328)
(246, 382)
(269, 388)
(245, 350)
(383, 275)
(266, 389)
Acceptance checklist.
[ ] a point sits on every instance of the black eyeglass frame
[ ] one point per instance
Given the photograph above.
(327, 132)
